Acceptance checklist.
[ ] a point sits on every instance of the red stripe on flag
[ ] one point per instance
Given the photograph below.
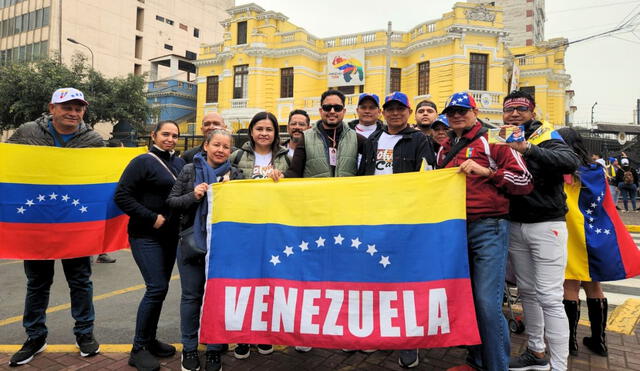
(329, 314)
(43, 241)
(628, 249)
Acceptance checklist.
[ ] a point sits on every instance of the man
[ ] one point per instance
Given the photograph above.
(63, 127)
(492, 172)
(330, 148)
(612, 172)
(210, 122)
(627, 180)
(598, 159)
(397, 148)
(299, 121)
(538, 236)
(368, 111)
(426, 114)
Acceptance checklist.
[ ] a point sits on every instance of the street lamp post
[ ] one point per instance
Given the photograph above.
(592, 107)
(79, 43)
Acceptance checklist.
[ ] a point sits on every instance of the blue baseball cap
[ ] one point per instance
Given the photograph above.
(442, 119)
(397, 96)
(461, 99)
(372, 96)
(612, 159)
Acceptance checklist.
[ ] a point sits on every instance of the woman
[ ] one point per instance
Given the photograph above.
(627, 179)
(262, 156)
(440, 129)
(153, 235)
(188, 197)
(596, 302)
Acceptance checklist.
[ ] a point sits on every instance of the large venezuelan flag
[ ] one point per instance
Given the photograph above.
(376, 262)
(58, 202)
(599, 247)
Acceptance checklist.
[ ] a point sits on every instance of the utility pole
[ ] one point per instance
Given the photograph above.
(388, 61)
(60, 31)
(638, 111)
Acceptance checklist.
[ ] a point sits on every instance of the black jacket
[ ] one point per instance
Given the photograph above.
(547, 163)
(187, 155)
(407, 153)
(142, 193)
(379, 125)
(182, 199)
(620, 175)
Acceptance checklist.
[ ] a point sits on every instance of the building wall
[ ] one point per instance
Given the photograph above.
(523, 19)
(110, 29)
(274, 43)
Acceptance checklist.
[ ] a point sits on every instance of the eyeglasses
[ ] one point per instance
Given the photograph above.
(456, 110)
(335, 107)
(517, 108)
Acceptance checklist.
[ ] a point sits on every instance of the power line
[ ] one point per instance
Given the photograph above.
(592, 7)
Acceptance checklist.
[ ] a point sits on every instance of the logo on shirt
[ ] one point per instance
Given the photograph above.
(260, 172)
(384, 159)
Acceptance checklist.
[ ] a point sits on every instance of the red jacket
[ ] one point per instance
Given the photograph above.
(486, 195)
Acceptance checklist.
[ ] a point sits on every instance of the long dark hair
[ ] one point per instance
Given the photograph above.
(574, 140)
(275, 146)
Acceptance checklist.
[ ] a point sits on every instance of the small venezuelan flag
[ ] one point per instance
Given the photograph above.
(599, 247)
(329, 263)
(58, 202)
(469, 152)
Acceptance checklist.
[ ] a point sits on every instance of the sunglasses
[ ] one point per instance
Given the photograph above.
(335, 107)
(457, 110)
(517, 108)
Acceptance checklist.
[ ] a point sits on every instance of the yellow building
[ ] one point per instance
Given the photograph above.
(268, 63)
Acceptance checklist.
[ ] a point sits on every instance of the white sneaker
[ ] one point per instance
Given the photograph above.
(302, 349)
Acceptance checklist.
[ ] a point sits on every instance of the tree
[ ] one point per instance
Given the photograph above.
(26, 88)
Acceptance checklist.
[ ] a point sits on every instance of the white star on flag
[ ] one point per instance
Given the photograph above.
(371, 249)
(589, 211)
(384, 261)
(76, 202)
(337, 240)
(460, 99)
(304, 246)
(53, 196)
(275, 260)
(356, 243)
(21, 210)
(320, 241)
(65, 198)
(83, 209)
(591, 226)
(29, 203)
(598, 230)
(593, 205)
(288, 250)
(591, 220)
(599, 198)
(602, 194)
(606, 231)
(41, 198)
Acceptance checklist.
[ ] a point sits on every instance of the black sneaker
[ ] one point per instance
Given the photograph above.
(242, 351)
(213, 362)
(105, 258)
(143, 360)
(87, 344)
(190, 360)
(409, 358)
(528, 361)
(162, 350)
(265, 349)
(29, 349)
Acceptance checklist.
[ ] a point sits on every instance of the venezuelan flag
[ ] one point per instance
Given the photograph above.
(358, 263)
(599, 246)
(545, 132)
(58, 202)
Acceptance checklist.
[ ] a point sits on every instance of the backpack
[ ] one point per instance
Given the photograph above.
(628, 177)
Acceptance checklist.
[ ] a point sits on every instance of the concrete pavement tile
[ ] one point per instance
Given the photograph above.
(633, 366)
(597, 361)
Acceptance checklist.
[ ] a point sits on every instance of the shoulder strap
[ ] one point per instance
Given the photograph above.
(462, 143)
(163, 164)
(236, 160)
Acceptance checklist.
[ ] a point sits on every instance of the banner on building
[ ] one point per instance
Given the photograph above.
(355, 263)
(345, 68)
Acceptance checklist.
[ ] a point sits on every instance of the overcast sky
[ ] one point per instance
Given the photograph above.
(605, 70)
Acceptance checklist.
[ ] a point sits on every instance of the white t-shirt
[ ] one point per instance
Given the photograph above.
(365, 131)
(262, 166)
(384, 155)
(291, 151)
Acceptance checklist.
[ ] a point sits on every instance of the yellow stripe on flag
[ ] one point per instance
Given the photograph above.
(52, 165)
(577, 258)
(351, 203)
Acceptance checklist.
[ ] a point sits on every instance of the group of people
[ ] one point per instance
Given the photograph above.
(622, 178)
(515, 211)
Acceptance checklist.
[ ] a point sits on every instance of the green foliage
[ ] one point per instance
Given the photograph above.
(26, 88)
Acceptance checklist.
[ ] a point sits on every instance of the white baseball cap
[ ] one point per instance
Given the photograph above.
(67, 94)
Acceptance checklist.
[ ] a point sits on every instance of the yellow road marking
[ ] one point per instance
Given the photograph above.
(624, 318)
(633, 228)
(60, 307)
(11, 262)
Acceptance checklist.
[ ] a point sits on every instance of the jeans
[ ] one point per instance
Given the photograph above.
(155, 258)
(538, 253)
(615, 194)
(192, 279)
(39, 279)
(628, 191)
(488, 246)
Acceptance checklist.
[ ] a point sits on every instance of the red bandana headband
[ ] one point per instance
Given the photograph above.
(516, 102)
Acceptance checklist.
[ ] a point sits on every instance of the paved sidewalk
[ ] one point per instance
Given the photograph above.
(624, 354)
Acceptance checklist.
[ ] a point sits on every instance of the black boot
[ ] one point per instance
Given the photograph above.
(597, 343)
(572, 308)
